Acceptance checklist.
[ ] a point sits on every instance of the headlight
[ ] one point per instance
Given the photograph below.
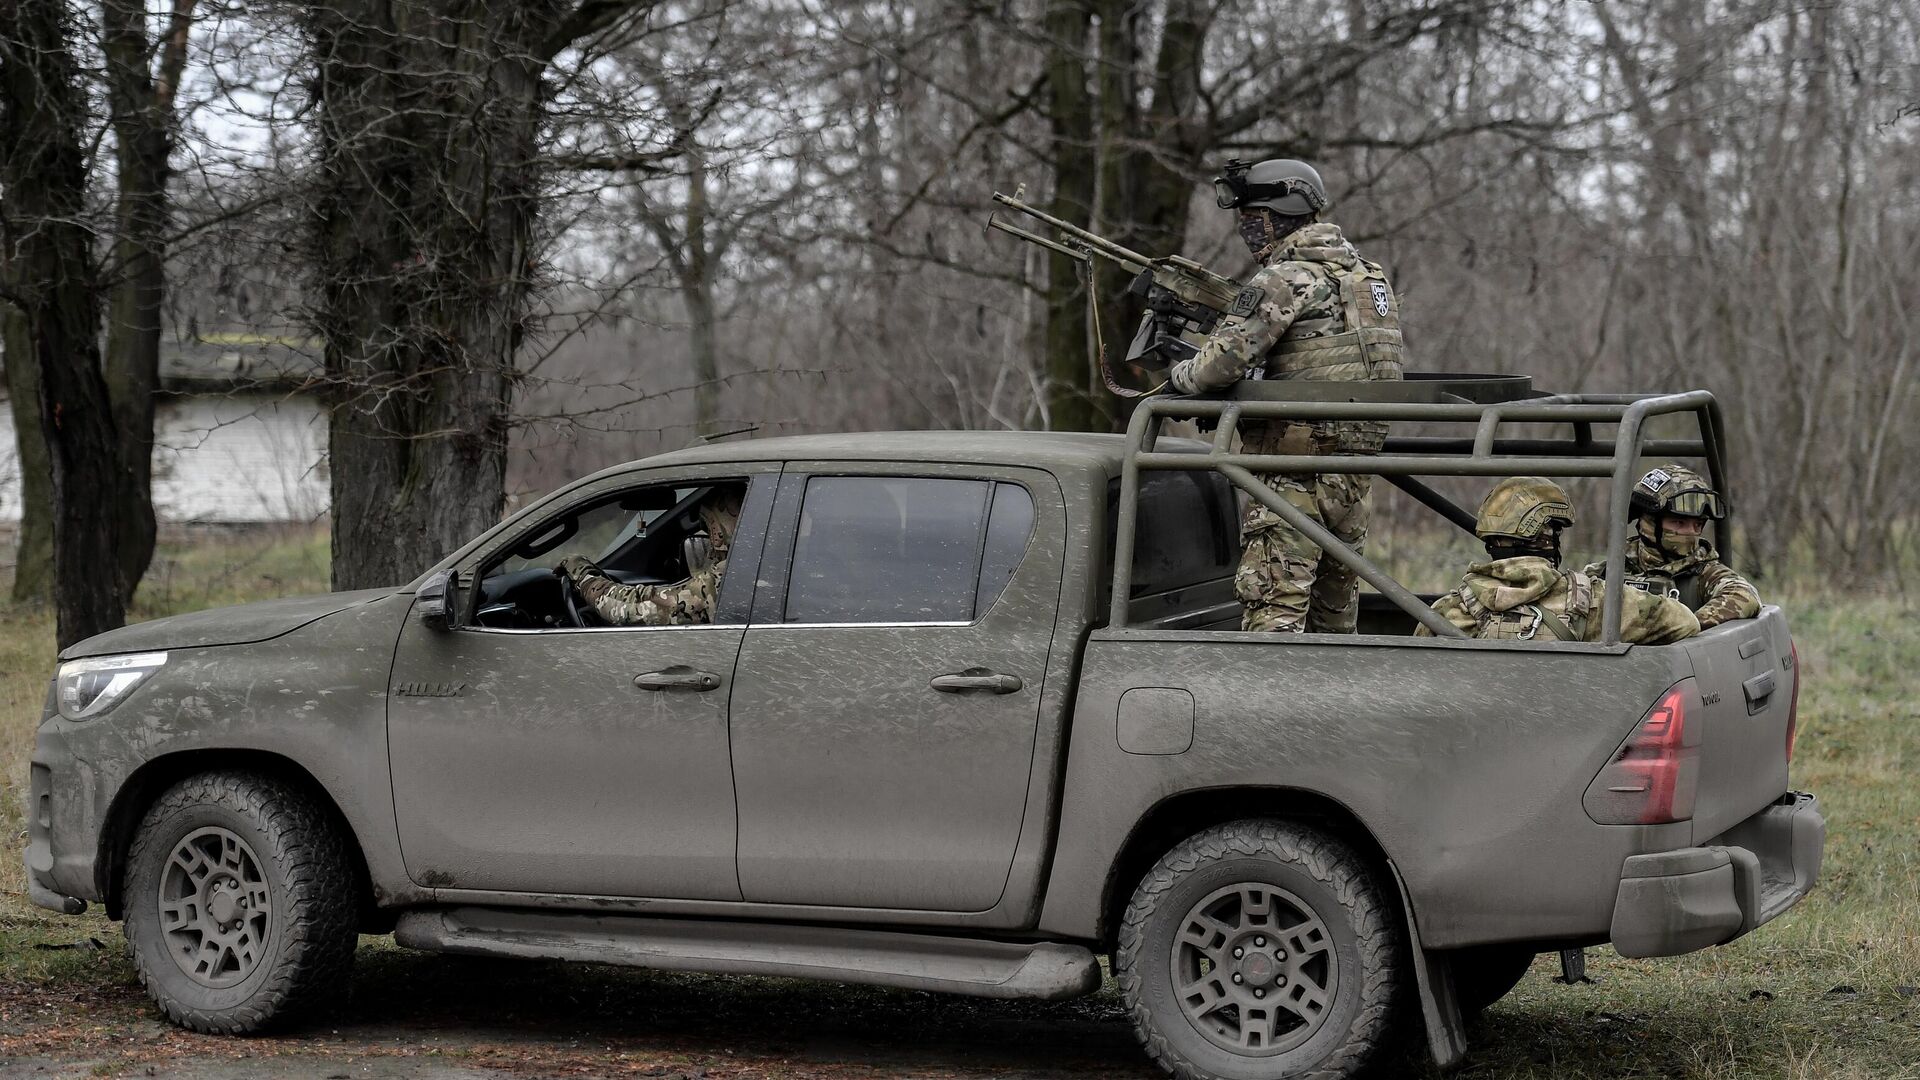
(92, 686)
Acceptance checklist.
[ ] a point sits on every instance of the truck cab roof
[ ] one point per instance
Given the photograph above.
(1056, 450)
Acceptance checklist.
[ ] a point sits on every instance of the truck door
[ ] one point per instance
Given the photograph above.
(582, 761)
(887, 698)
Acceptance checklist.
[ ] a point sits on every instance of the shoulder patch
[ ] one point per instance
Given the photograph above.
(1382, 299)
(1248, 301)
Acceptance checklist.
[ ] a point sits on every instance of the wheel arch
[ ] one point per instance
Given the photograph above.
(1185, 813)
(154, 777)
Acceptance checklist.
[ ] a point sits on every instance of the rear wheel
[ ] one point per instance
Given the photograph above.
(1260, 950)
(240, 904)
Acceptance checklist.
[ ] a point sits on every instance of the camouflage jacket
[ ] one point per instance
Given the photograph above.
(680, 604)
(1314, 310)
(1511, 599)
(1700, 581)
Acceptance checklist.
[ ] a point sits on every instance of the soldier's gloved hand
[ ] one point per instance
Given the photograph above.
(572, 565)
(1181, 378)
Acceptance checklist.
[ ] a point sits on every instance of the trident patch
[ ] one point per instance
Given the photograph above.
(1382, 299)
(1247, 301)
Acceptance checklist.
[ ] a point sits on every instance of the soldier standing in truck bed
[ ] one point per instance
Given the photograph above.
(1314, 310)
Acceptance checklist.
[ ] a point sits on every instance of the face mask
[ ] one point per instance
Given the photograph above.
(1679, 544)
(1259, 230)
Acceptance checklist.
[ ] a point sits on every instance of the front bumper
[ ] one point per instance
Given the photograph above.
(1673, 902)
(75, 768)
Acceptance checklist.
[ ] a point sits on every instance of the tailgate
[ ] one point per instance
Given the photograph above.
(1746, 674)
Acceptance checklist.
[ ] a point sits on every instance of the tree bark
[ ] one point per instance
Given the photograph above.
(49, 277)
(428, 124)
(1072, 402)
(141, 102)
(33, 547)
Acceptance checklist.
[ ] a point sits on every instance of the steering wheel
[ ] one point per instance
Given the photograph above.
(571, 599)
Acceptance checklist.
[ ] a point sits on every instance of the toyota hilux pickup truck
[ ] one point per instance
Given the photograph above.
(971, 712)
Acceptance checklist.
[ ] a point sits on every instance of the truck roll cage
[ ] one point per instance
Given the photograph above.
(1487, 401)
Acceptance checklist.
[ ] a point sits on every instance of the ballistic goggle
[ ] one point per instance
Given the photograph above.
(1232, 188)
(1698, 504)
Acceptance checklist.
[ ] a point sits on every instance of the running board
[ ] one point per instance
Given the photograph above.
(994, 969)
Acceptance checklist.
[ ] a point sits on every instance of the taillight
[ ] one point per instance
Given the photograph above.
(1655, 775)
(1793, 702)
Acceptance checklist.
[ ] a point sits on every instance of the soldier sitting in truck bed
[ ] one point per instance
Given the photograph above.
(1522, 591)
(1670, 555)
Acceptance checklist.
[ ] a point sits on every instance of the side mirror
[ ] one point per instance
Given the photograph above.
(432, 602)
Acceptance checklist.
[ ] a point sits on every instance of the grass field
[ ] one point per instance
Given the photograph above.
(1832, 989)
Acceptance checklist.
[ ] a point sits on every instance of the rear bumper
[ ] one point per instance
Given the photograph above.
(1673, 902)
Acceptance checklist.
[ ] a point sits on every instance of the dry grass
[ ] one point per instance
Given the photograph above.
(1829, 990)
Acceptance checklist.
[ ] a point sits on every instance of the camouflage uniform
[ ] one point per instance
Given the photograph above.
(1701, 581)
(1317, 311)
(1514, 599)
(681, 604)
(1697, 579)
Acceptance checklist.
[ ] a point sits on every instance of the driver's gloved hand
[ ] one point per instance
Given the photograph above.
(573, 565)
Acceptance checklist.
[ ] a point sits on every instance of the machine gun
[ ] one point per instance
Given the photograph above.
(1184, 300)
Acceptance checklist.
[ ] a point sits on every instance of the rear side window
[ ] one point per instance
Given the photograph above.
(1186, 532)
(905, 549)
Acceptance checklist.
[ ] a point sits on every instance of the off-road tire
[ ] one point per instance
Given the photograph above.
(1484, 974)
(305, 874)
(1322, 874)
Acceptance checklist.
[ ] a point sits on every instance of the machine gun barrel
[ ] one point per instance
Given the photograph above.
(1094, 244)
(1035, 238)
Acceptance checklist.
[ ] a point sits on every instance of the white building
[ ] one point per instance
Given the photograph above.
(240, 438)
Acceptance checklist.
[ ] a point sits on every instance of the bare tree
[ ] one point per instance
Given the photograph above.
(430, 180)
(50, 278)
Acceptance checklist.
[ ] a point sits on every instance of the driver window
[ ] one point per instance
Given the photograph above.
(601, 533)
(639, 537)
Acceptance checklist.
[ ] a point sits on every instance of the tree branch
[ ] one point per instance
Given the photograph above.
(590, 18)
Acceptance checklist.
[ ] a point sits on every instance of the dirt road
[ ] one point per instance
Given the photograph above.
(420, 1017)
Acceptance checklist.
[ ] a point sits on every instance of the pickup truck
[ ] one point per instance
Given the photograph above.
(972, 711)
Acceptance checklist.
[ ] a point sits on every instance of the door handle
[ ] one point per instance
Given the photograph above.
(976, 679)
(677, 678)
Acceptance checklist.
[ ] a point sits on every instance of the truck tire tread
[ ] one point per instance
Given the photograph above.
(318, 930)
(1326, 861)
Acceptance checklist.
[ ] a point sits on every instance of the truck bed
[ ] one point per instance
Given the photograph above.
(1468, 761)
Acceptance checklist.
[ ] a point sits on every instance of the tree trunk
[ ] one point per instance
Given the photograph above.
(143, 126)
(49, 277)
(428, 124)
(697, 289)
(1120, 171)
(1073, 403)
(33, 548)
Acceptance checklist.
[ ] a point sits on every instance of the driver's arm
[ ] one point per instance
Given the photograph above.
(681, 604)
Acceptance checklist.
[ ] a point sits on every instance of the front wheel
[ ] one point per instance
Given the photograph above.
(240, 903)
(1261, 950)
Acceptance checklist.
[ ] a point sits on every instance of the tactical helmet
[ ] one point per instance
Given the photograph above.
(1282, 185)
(1523, 508)
(1676, 490)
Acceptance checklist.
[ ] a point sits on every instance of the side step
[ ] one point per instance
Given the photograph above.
(992, 969)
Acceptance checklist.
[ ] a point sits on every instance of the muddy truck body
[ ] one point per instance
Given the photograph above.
(972, 711)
